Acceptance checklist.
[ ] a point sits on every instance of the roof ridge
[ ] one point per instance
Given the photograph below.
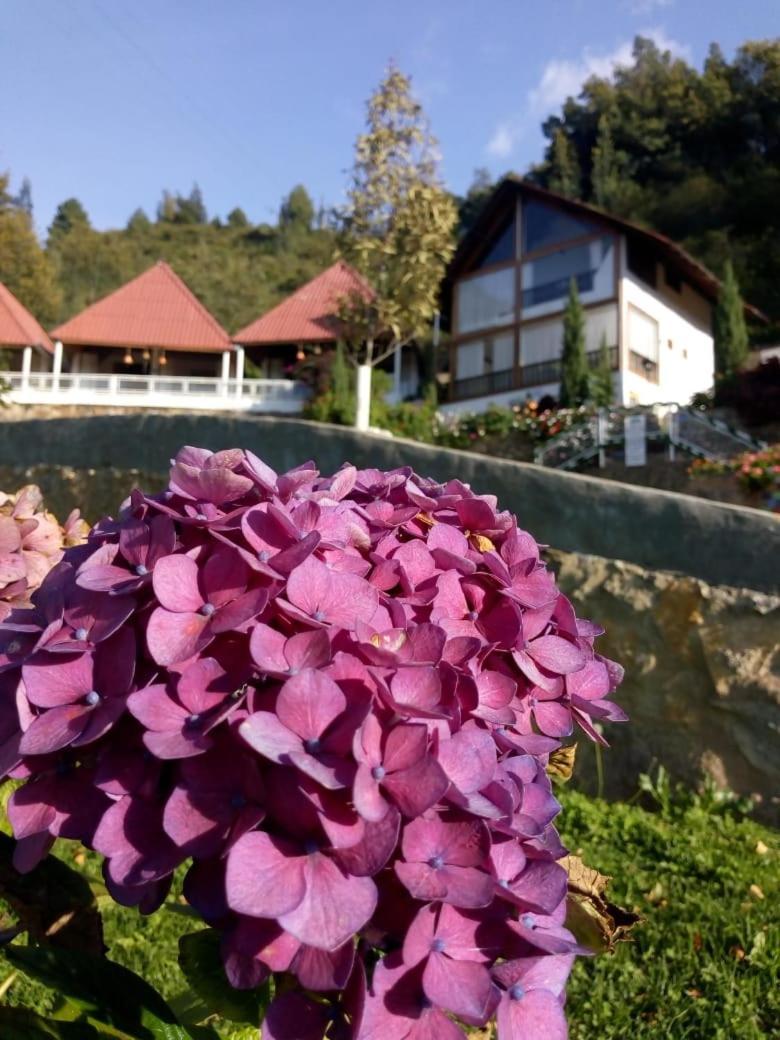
(190, 296)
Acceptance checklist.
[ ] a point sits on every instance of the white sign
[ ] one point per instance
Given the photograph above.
(635, 436)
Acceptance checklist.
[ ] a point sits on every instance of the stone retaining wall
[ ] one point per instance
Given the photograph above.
(718, 543)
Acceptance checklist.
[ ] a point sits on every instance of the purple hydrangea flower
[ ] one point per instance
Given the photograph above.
(334, 698)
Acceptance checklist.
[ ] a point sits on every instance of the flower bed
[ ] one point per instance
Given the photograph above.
(756, 472)
(337, 701)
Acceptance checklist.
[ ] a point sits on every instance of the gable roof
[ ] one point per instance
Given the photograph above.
(512, 186)
(18, 328)
(310, 314)
(155, 309)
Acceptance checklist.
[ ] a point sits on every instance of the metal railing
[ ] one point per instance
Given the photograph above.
(666, 424)
(155, 391)
(538, 374)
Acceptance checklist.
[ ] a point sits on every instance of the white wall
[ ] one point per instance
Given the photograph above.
(684, 368)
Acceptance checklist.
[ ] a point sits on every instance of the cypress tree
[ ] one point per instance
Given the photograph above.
(564, 176)
(601, 377)
(605, 172)
(574, 362)
(730, 331)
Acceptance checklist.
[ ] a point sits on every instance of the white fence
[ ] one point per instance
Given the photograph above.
(191, 393)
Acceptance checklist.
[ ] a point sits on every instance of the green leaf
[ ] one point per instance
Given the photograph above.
(200, 960)
(106, 992)
(23, 1024)
(53, 903)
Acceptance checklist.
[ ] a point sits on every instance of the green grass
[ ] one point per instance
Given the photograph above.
(703, 966)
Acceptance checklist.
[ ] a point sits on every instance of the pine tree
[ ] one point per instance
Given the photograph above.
(70, 216)
(605, 171)
(565, 177)
(601, 390)
(730, 331)
(297, 210)
(24, 200)
(236, 218)
(574, 361)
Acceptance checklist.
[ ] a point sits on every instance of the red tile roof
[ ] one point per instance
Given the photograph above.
(309, 315)
(156, 309)
(18, 328)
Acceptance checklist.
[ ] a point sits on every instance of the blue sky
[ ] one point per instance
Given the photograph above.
(114, 100)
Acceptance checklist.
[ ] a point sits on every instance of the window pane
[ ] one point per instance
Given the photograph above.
(590, 265)
(502, 247)
(486, 300)
(541, 342)
(544, 225)
(471, 360)
(503, 351)
(642, 334)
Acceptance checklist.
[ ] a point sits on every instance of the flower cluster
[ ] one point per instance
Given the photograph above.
(525, 420)
(755, 471)
(336, 697)
(31, 543)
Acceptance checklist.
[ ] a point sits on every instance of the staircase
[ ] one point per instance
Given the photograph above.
(684, 428)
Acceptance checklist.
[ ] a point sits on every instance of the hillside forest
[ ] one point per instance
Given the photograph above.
(692, 153)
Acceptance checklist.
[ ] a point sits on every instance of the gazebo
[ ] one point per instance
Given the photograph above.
(306, 321)
(152, 325)
(23, 342)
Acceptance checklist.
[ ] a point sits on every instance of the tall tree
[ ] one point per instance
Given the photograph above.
(191, 209)
(574, 361)
(730, 331)
(398, 230)
(236, 218)
(482, 184)
(601, 391)
(70, 216)
(564, 176)
(23, 199)
(139, 223)
(24, 267)
(297, 210)
(605, 171)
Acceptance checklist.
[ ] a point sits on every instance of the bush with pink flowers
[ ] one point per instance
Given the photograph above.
(335, 699)
(31, 543)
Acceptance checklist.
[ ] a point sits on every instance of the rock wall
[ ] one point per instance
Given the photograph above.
(702, 682)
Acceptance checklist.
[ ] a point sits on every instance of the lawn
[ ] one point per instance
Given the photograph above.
(703, 966)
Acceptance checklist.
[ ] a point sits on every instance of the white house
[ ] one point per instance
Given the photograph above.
(506, 290)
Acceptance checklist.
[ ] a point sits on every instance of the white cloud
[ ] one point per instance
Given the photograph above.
(564, 77)
(502, 143)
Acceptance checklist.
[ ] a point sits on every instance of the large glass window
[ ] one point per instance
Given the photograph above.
(502, 247)
(486, 300)
(545, 225)
(547, 279)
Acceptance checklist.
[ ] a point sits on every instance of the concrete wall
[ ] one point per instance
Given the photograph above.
(720, 544)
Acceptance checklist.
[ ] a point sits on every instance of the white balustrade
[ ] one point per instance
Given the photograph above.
(177, 392)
